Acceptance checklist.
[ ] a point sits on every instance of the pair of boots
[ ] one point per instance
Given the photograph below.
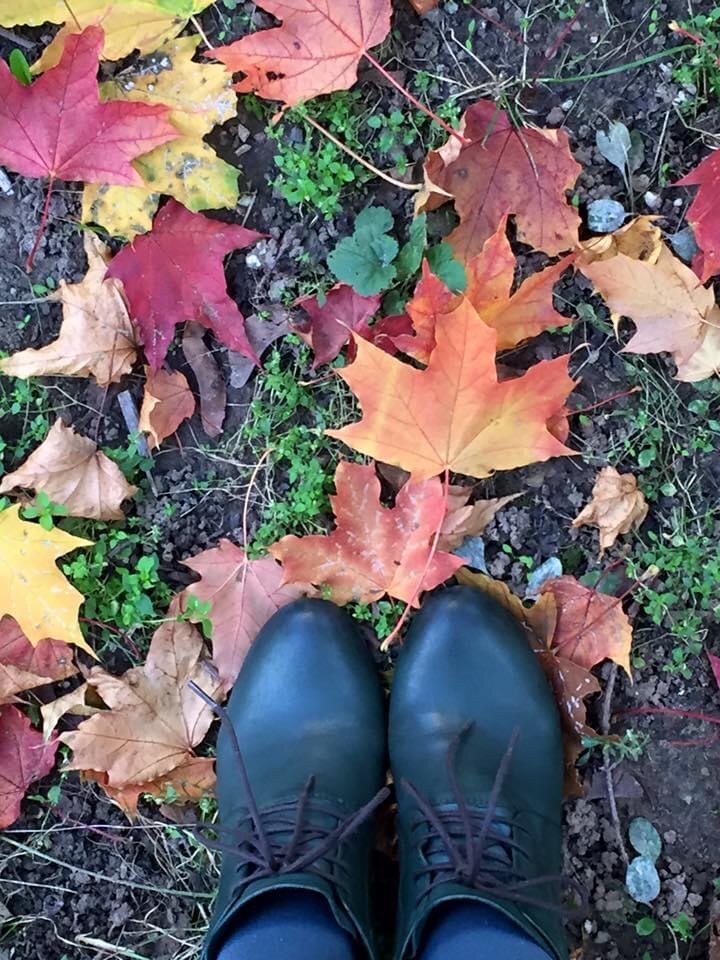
(476, 757)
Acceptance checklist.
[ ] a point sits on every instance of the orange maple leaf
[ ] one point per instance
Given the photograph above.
(504, 169)
(374, 549)
(316, 50)
(455, 414)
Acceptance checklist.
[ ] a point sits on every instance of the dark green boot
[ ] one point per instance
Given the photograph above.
(308, 714)
(474, 728)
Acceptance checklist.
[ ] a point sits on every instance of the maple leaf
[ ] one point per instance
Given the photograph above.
(591, 626)
(74, 473)
(186, 783)
(455, 414)
(154, 719)
(330, 323)
(167, 401)
(617, 506)
(703, 214)
(463, 519)
(199, 96)
(35, 593)
(175, 273)
(373, 550)
(316, 50)
(243, 595)
(639, 239)
(73, 703)
(132, 24)
(670, 308)
(24, 758)
(504, 170)
(96, 337)
(58, 128)
(23, 666)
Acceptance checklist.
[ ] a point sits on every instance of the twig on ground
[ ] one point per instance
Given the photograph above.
(608, 767)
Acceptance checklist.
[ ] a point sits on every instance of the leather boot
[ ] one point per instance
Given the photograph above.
(300, 761)
(476, 754)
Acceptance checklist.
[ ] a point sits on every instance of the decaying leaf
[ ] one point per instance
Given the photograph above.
(373, 550)
(640, 240)
(464, 519)
(154, 719)
(504, 169)
(23, 666)
(72, 471)
(262, 330)
(186, 783)
(73, 703)
(703, 214)
(179, 265)
(209, 378)
(454, 414)
(24, 758)
(330, 323)
(167, 401)
(96, 337)
(200, 96)
(35, 593)
(424, 6)
(316, 50)
(617, 506)
(243, 595)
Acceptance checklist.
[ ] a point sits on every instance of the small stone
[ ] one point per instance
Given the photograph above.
(5, 185)
(670, 836)
(567, 105)
(605, 215)
(652, 200)
(253, 262)
(684, 244)
(556, 116)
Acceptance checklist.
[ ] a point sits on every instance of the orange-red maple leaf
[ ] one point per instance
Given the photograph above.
(316, 50)
(373, 549)
(24, 757)
(704, 214)
(455, 414)
(503, 170)
(330, 322)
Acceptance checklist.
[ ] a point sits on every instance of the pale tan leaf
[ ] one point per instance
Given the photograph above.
(167, 401)
(617, 506)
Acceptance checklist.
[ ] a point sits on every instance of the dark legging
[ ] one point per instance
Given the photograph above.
(296, 925)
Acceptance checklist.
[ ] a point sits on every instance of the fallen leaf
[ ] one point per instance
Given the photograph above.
(703, 214)
(262, 330)
(35, 593)
(591, 626)
(670, 308)
(430, 301)
(424, 6)
(24, 758)
(330, 323)
(200, 96)
(468, 520)
(167, 401)
(617, 506)
(133, 24)
(504, 169)
(96, 337)
(715, 667)
(154, 719)
(73, 702)
(373, 550)
(72, 471)
(23, 666)
(210, 383)
(58, 128)
(175, 273)
(243, 594)
(186, 783)
(316, 50)
(454, 414)
(640, 240)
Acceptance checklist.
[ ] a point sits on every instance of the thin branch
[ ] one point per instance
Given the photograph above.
(41, 227)
(198, 26)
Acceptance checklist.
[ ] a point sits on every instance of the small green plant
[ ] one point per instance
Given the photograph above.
(25, 411)
(19, 67)
(197, 611)
(383, 615)
(44, 510)
(629, 746)
(700, 72)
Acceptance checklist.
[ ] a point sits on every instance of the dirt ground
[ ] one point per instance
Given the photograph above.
(78, 881)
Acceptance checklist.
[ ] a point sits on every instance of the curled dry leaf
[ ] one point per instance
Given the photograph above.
(24, 758)
(243, 595)
(617, 506)
(373, 550)
(504, 169)
(262, 331)
(167, 401)
(188, 783)
(35, 593)
(74, 473)
(210, 383)
(463, 519)
(23, 666)
(640, 240)
(154, 719)
(96, 337)
(73, 702)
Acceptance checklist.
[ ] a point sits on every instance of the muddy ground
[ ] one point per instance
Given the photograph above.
(143, 890)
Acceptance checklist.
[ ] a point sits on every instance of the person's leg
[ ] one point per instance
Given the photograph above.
(288, 925)
(464, 930)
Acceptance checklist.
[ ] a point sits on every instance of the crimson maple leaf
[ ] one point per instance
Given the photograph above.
(175, 273)
(703, 214)
(58, 127)
(24, 758)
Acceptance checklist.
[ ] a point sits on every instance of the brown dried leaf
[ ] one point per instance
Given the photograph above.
(167, 401)
(23, 666)
(468, 520)
(617, 506)
(213, 397)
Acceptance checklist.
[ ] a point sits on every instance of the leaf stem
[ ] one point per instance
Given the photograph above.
(41, 229)
(361, 160)
(414, 101)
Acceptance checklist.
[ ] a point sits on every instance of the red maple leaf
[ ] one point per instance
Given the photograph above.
(175, 273)
(704, 214)
(23, 758)
(330, 322)
(59, 128)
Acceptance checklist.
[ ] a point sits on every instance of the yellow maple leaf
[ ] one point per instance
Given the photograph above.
(200, 96)
(130, 25)
(34, 591)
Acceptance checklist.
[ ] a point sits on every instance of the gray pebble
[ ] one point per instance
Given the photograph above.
(684, 244)
(604, 216)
